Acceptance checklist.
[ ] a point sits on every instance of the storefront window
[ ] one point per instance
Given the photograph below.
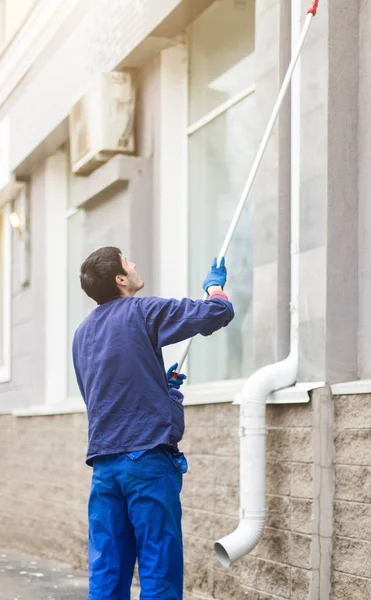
(100, 223)
(221, 152)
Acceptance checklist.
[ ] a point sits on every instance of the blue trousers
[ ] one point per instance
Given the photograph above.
(135, 512)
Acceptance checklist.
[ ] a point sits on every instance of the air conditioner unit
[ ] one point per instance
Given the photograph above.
(102, 122)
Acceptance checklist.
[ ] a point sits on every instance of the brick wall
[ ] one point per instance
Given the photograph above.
(44, 485)
(279, 567)
(352, 506)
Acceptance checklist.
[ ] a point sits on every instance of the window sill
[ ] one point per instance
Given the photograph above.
(230, 391)
(69, 407)
(216, 392)
(361, 386)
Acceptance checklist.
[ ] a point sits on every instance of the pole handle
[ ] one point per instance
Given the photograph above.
(313, 9)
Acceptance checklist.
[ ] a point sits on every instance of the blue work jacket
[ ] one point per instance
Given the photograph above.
(120, 369)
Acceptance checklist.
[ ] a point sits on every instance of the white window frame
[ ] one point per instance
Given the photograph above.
(56, 195)
(74, 401)
(6, 286)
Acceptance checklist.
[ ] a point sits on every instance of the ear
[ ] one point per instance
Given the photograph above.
(121, 280)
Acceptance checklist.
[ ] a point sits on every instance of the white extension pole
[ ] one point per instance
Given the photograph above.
(246, 191)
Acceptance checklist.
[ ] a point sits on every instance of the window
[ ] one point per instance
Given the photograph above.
(222, 145)
(99, 223)
(5, 294)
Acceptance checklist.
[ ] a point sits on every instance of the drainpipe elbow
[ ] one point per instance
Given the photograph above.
(241, 541)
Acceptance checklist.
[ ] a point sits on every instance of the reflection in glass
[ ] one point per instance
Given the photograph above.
(220, 157)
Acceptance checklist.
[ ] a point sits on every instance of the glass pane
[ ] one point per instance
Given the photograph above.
(102, 223)
(221, 155)
(1, 287)
(222, 42)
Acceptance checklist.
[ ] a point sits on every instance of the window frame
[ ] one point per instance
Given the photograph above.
(5, 365)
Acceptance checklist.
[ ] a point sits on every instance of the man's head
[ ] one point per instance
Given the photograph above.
(106, 275)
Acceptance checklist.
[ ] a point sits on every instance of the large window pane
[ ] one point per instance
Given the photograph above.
(221, 58)
(101, 223)
(221, 155)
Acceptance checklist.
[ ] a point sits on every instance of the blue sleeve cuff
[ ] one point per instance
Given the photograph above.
(176, 395)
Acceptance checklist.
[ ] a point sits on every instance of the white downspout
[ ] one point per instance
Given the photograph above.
(269, 378)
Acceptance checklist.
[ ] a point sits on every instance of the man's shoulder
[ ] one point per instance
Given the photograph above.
(152, 300)
(84, 324)
(151, 303)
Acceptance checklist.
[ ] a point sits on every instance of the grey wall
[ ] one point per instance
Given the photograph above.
(284, 191)
(328, 307)
(313, 197)
(342, 217)
(364, 186)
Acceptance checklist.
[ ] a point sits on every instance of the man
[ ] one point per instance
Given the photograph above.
(136, 419)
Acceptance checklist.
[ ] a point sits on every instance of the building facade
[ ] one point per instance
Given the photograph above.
(206, 74)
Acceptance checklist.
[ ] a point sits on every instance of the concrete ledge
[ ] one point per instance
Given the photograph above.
(117, 172)
(230, 391)
(219, 392)
(60, 408)
(362, 386)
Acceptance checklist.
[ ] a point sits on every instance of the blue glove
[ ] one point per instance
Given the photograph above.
(175, 383)
(217, 275)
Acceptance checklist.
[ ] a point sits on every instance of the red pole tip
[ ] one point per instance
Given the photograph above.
(313, 9)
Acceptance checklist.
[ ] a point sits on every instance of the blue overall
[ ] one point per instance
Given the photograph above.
(135, 424)
(134, 511)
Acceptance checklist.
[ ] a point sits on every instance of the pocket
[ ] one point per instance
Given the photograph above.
(177, 460)
(180, 463)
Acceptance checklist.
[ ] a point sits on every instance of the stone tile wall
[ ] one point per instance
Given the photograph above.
(351, 578)
(44, 485)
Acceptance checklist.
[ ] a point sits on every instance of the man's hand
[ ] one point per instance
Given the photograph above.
(175, 382)
(217, 276)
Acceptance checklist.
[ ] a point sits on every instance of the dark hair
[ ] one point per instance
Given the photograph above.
(98, 274)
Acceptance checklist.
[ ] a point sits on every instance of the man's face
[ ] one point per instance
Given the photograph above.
(134, 282)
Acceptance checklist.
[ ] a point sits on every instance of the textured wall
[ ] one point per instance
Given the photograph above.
(280, 566)
(313, 196)
(364, 183)
(352, 507)
(44, 485)
(43, 468)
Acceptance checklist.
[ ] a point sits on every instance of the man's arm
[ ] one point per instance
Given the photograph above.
(169, 321)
